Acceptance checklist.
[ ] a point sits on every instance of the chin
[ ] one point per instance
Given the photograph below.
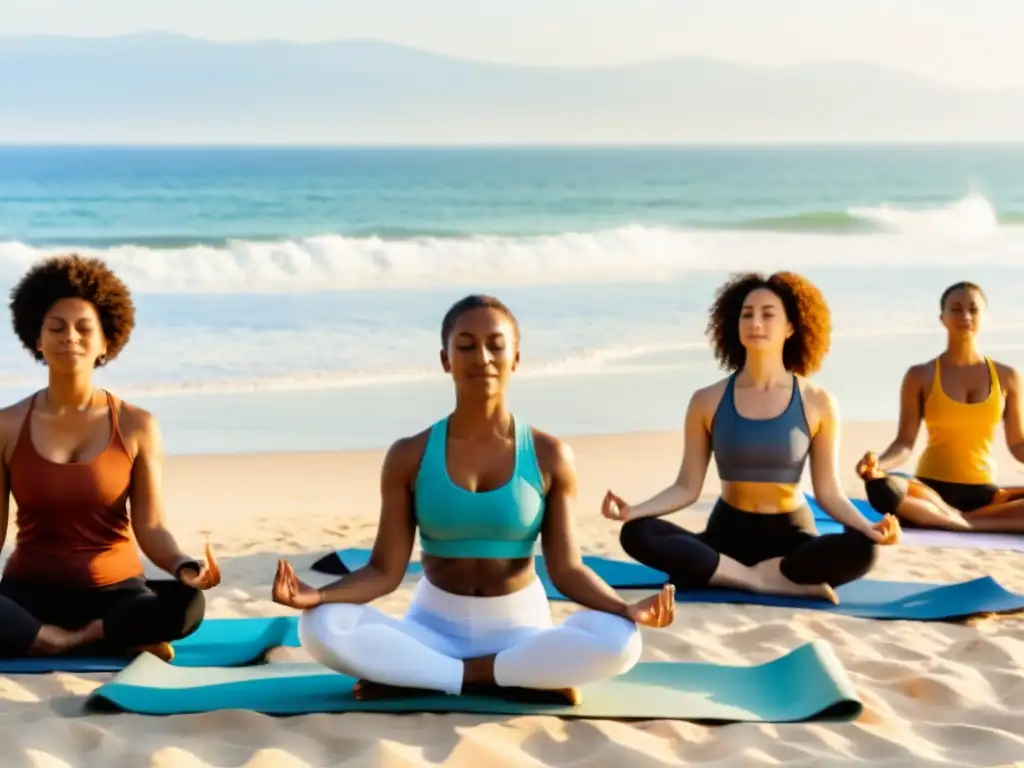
(69, 367)
(482, 388)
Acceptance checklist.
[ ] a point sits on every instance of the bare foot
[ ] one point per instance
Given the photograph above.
(771, 581)
(54, 641)
(368, 690)
(163, 651)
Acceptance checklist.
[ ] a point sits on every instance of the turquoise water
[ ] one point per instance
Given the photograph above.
(317, 278)
(163, 198)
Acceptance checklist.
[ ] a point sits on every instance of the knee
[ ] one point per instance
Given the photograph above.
(617, 640)
(860, 555)
(195, 610)
(867, 551)
(323, 630)
(885, 494)
(633, 533)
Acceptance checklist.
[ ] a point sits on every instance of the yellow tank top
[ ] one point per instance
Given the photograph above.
(960, 435)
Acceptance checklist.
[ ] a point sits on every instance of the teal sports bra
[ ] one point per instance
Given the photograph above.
(501, 523)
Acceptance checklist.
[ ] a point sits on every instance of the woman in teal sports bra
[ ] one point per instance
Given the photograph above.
(481, 486)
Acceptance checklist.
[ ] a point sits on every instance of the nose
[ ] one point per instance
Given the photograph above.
(483, 355)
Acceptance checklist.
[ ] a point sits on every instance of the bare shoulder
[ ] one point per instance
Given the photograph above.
(816, 395)
(705, 400)
(820, 404)
(12, 416)
(554, 454)
(140, 429)
(11, 419)
(1009, 377)
(921, 374)
(403, 457)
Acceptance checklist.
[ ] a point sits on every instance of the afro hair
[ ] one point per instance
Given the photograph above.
(66, 277)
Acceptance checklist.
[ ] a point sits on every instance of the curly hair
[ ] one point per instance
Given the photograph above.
(806, 309)
(469, 303)
(72, 276)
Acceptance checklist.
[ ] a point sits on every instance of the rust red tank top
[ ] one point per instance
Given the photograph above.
(73, 522)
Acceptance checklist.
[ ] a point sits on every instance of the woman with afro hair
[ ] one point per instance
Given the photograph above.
(76, 458)
(761, 424)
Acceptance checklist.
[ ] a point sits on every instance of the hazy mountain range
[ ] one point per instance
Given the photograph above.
(161, 88)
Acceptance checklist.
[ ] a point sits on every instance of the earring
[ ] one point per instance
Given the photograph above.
(101, 360)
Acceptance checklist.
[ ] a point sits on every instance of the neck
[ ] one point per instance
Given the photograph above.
(963, 350)
(481, 418)
(764, 371)
(67, 393)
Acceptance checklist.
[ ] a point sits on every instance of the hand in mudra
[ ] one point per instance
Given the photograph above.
(657, 610)
(614, 508)
(867, 467)
(208, 575)
(289, 590)
(886, 531)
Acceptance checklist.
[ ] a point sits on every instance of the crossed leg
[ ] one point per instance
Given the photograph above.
(379, 650)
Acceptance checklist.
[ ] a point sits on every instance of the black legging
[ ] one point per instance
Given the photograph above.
(134, 612)
(690, 559)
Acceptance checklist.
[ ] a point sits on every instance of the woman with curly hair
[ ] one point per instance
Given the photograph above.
(75, 457)
(962, 397)
(761, 424)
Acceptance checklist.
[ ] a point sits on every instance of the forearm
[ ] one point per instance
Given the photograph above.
(160, 546)
(672, 499)
(361, 586)
(893, 456)
(584, 587)
(840, 509)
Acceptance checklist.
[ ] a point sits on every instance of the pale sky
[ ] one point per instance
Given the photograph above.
(970, 43)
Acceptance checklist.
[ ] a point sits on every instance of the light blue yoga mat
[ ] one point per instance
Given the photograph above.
(865, 598)
(921, 537)
(217, 643)
(807, 683)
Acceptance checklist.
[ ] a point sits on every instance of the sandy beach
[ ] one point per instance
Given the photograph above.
(935, 693)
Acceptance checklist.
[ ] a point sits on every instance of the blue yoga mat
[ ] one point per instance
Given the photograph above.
(805, 684)
(622, 574)
(866, 598)
(922, 537)
(217, 643)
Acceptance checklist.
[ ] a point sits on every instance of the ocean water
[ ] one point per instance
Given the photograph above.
(291, 298)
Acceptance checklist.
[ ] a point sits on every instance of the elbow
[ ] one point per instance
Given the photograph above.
(147, 541)
(683, 496)
(389, 579)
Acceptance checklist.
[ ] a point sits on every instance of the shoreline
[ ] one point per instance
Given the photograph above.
(936, 693)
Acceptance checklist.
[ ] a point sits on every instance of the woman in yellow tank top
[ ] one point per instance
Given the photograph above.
(962, 397)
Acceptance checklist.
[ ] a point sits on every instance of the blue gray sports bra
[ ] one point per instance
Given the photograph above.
(760, 450)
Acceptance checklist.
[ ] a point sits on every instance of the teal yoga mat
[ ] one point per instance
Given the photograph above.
(217, 643)
(866, 598)
(922, 537)
(805, 684)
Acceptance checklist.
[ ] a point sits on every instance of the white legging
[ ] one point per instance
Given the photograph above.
(425, 649)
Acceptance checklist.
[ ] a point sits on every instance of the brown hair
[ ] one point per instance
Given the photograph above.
(963, 285)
